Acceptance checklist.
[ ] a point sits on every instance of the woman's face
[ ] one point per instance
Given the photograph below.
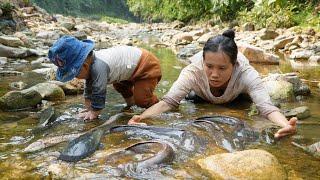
(218, 68)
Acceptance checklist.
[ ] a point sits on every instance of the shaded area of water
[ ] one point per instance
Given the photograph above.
(15, 132)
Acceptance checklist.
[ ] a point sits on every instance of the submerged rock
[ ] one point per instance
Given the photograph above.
(248, 164)
(313, 149)
(18, 100)
(302, 112)
(49, 91)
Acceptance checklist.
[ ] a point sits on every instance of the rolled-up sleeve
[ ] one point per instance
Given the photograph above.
(180, 88)
(258, 93)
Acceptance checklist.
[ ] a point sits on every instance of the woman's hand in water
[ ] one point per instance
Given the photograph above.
(135, 120)
(291, 128)
(89, 115)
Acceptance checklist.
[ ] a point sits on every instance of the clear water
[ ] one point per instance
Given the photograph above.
(15, 132)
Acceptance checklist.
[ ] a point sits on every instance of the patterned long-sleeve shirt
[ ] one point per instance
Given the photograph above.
(244, 79)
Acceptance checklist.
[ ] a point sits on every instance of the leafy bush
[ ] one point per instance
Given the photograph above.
(270, 13)
(185, 10)
(6, 8)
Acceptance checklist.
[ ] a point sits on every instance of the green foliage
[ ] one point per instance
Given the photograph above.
(6, 8)
(88, 8)
(227, 10)
(270, 13)
(185, 10)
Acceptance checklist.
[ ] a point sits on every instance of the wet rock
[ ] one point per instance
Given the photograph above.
(17, 100)
(52, 35)
(81, 35)
(299, 88)
(302, 112)
(313, 149)
(248, 27)
(11, 73)
(43, 71)
(301, 54)
(248, 164)
(279, 90)
(182, 38)
(126, 41)
(60, 170)
(48, 91)
(69, 25)
(68, 88)
(198, 32)
(188, 51)
(257, 55)
(18, 85)
(3, 60)
(24, 38)
(1, 12)
(10, 52)
(314, 59)
(177, 24)
(11, 41)
(280, 43)
(266, 34)
(204, 38)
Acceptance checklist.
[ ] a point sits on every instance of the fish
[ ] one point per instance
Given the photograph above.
(221, 119)
(313, 149)
(47, 119)
(179, 139)
(161, 153)
(82, 147)
(218, 134)
(50, 141)
(86, 144)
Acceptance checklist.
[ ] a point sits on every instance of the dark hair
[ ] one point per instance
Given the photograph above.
(224, 43)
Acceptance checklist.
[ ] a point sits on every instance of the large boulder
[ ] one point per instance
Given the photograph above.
(281, 42)
(279, 90)
(248, 164)
(248, 26)
(301, 54)
(204, 38)
(302, 112)
(257, 55)
(182, 38)
(17, 100)
(49, 91)
(51, 35)
(188, 51)
(266, 34)
(11, 52)
(11, 41)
